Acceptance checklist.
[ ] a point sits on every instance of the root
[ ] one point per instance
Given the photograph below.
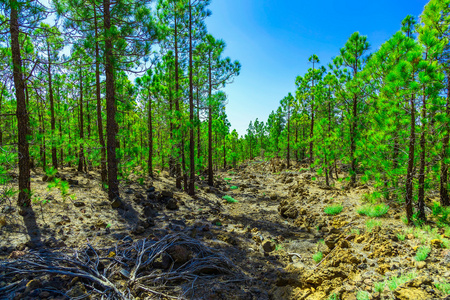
(126, 270)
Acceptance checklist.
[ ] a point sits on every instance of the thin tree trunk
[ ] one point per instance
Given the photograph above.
(111, 124)
(103, 171)
(445, 201)
(421, 192)
(191, 110)
(177, 107)
(52, 109)
(81, 153)
(21, 112)
(150, 136)
(288, 136)
(410, 171)
(210, 163)
(353, 142)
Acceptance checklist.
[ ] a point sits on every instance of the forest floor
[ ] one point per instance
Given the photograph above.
(165, 244)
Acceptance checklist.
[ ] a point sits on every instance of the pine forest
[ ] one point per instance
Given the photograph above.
(122, 176)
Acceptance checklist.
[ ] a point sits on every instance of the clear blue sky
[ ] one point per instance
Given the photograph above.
(274, 38)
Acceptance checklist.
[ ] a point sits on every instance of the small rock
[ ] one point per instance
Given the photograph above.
(172, 204)
(44, 294)
(101, 224)
(410, 294)
(73, 182)
(436, 244)
(268, 246)
(150, 212)
(79, 204)
(150, 190)
(78, 291)
(8, 209)
(32, 285)
(138, 230)
(180, 254)
(421, 265)
(167, 194)
(117, 203)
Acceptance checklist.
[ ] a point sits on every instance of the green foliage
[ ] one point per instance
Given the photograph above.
(379, 286)
(318, 256)
(444, 287)
(441, 214)
(371, 224)
(233, 187)
(401, 237)
(394, 282)
(334, 296)
(229, 199)
(363, 295)
(355, 231)
(373, 211)
(422, 253)
(227, 179)
(62, 185)
(334, 209)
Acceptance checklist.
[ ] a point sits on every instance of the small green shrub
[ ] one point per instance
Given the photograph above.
(371, 224)
(355, 231)
(363, 295)
(422, 253)
(233, 187)
(379, 286)
(333, 209)
(373, 211)
(395, 281)
(443, 287)
(227, 179)
(318, 257)
(230, 199)
(441, 214)
(401, 237)
(333, 296)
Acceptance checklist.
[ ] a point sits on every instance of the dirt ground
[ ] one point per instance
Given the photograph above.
(161, 243)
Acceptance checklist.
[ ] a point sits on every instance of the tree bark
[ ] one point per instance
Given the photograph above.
(150, 136)
(410, 171)
(445, 201)
(52, 109)
(191, 111)
(21, 111)
(210, 162)
(111, 123)
(81, 153)
(421, 192)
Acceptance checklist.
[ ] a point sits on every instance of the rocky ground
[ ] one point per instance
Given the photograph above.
(260, 247)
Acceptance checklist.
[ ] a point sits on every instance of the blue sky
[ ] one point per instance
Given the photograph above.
(274, 39)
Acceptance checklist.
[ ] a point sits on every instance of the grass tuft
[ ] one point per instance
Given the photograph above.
(318, 257)
(401, 237)
(373, 211)
(334, 209)
(422, 253)
(394, 282)
(371, 224)
(363, 295)
(379, 286)
(230, 199)
(443, 287)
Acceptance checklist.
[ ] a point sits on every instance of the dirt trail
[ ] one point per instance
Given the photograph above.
(270, 235)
